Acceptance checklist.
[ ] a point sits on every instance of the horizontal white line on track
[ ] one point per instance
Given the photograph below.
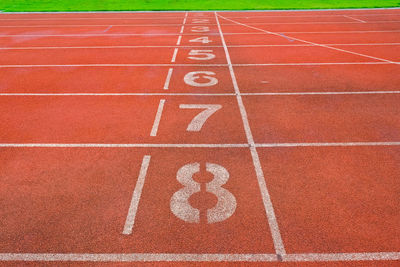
(205, 94)
(315, 22)
(124, 145)
(180, 46)
(176, 34)
(197, 65)
(116, 94)
(155, 257)
(334, 144)
(258, 145)
(312, 16)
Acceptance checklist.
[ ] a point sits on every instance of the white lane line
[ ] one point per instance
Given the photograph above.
(196, 65)
(130, 218)
(359, 20)
(138, 257)
(116, 94)
(182, 28)
(329, 144)
(169, 257)
(168, 79)
(184, 20)
(157, 119)
(92, 145)
(173, 46)
(309, 16)
(174, 55)
(270, 213)
(322, 93)
(316, 44)
(90, 18)
(316, 22)
(318, 257)
(179, 40)
(205, 94)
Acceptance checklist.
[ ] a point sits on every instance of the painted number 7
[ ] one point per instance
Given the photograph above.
(198, 121)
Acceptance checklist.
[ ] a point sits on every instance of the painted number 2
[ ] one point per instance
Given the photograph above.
(180, 206)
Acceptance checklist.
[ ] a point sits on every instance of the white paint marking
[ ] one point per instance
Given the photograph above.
(174, 55)
(316, 44)
(130, 218)
(325, 93)
(198, 121)
(168, 79)
(88, 145)
(182, 28)
(318, 257)
(276, 235)
(157, 119)
(330, 144)
(138, 257)
(184, 20)
(359, 20)
(169, 257)
(116, 94)
(179, 40)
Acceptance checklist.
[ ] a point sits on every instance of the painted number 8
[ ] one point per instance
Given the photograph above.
(180, 205)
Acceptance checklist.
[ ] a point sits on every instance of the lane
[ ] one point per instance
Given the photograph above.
(119, 119)
(76, 201)
(336, 199)
(332, 118)
(319, 78)
(108, 80)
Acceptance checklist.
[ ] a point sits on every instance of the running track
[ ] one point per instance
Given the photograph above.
(200, 136)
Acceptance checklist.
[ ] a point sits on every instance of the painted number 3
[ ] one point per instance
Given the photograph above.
(180, 206)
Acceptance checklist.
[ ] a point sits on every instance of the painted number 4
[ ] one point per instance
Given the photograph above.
(180, 206)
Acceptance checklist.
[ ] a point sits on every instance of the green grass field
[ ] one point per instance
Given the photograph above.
(103, 5)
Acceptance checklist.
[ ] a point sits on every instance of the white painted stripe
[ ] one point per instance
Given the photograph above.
(174, 46)
(157, 119)
(313, 64)
(317, 22)
(169, 257)
(322, 93)
(116, 94)
(316, 44)
(276, 235)
(205, 94)
(89, 145)
(329, 144)
(174, 55)
(138, 257)
(184, 20)
(112, 65)
(182, 28)
(130, 218)
(308, 16)
(318, 257)
(89, 18)
(179, 40)
(168, 79)
(359, 20)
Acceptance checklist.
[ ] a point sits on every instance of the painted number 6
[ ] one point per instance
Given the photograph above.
(191, 78)
(180, 205)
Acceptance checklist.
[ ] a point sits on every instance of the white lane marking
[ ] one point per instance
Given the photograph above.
(157, 119)
(168, 79)
(316, 44)
(182, 28)
(374, 256)
(359, 20)
(196, 65)
(204, 94)
(198, 121)
(130, 218)
(179, 40)
(330, 144)
(184, 20)
(138, 257)
(323, 93)
(184, 46)
(309, 16)
(90, 18)
(88, 145)
(174, 55)
(276, 235)
(154, 257)
(117, 94)
(316, 22)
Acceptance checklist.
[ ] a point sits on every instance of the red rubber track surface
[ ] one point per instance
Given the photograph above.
(290, 117)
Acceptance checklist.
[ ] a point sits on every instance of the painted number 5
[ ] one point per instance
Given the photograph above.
(180, 206)
(201, 54)
(192, 77)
